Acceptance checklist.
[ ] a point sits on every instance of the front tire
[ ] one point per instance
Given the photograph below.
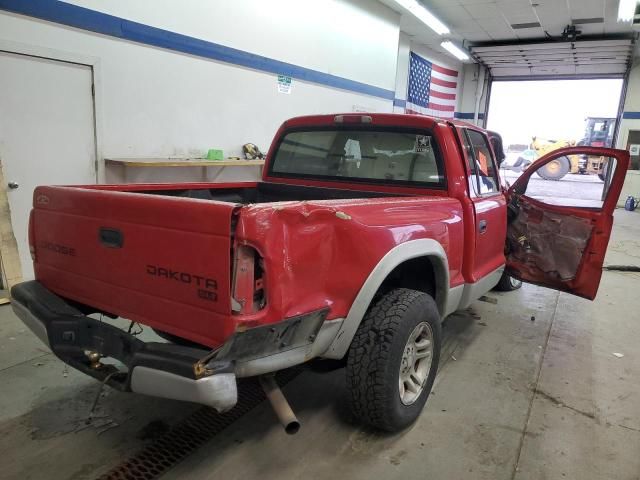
(393, 360)
(507, 283)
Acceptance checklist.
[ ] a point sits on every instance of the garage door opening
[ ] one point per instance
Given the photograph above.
(538, 116)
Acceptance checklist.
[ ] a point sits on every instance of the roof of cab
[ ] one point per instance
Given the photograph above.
(394, 119)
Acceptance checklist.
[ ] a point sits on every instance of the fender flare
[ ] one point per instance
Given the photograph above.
(401, 253)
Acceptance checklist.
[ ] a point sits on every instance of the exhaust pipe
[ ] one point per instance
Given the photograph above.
(279, 404)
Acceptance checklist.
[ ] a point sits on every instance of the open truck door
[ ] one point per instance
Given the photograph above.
(558, 231)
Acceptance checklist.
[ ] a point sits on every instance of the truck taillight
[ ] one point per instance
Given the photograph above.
(32, 241)
(248, 295)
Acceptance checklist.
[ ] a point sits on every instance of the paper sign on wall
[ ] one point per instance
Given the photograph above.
(634, 149)
(284, 84)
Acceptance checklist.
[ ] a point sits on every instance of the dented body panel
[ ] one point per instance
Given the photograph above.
(322, 252)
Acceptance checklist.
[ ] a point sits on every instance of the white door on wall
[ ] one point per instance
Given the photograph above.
(46, 133)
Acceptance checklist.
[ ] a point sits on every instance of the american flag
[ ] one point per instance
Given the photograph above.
(432, 88)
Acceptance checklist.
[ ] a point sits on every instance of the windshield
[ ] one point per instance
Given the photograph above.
(370, 156)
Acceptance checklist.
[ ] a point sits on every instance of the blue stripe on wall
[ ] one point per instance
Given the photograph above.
(398, 102)
(86, 19)
(467, 115)
(631, 115)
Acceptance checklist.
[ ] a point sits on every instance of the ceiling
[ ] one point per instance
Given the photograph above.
(500, 21)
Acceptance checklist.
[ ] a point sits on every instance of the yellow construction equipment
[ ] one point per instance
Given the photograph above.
(598, 133)
(559, 167)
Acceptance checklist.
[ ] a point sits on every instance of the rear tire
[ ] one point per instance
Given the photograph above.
(508, 284)
(555, 169)
(393, 360)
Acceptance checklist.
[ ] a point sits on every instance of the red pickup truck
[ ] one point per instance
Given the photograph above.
(365, 232)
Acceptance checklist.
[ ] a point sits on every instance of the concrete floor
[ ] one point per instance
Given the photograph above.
(516, 398)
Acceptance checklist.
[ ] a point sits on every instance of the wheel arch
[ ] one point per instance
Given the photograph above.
(414, 250)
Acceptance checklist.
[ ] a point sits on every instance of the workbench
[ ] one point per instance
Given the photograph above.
(172, 170)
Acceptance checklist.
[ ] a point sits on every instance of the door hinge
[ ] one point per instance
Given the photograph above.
(93, 90)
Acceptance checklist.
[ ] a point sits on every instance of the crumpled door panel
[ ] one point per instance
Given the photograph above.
(546, 245)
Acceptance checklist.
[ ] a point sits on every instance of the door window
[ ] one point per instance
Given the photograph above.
(483, 172)
(472, 178)
(572, 181)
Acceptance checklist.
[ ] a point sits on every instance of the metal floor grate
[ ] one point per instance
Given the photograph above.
(184, 438)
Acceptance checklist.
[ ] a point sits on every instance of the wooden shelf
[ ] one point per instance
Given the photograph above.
(181, 162)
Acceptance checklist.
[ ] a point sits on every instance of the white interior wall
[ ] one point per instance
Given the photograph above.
(158, 103)
(402, 72)
(471, 74)
(631, 105)
(631, 111)
(356, 39)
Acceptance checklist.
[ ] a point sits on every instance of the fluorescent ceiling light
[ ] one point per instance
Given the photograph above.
(424, 15)
(454, 50)
(626, 10)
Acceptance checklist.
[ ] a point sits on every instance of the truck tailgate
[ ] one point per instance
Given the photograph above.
(161, 261)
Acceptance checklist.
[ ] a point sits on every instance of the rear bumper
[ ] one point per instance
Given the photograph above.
(152, 368)
(164, 369)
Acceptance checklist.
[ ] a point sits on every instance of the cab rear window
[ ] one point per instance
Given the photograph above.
(407, 157)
